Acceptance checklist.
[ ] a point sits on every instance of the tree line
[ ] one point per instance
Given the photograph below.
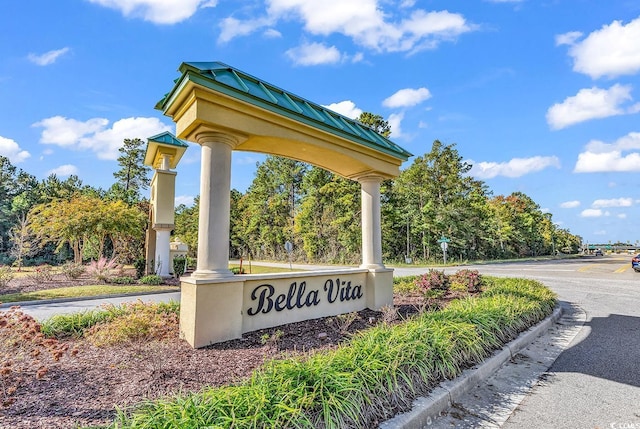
(319, 213)
(53, 220)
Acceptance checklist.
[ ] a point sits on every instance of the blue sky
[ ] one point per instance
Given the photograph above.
(542, 96)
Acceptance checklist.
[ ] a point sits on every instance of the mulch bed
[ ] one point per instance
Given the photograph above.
(84, 388)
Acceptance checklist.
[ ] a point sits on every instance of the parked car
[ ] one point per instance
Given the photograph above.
(635, 263)
(598, 252)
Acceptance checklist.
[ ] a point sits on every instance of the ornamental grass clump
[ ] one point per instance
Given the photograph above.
(365, 380)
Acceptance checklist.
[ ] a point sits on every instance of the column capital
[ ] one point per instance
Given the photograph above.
(211, 137)
(369, 178)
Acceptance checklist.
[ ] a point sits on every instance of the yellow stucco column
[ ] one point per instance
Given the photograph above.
(371, 222)
(215, 205)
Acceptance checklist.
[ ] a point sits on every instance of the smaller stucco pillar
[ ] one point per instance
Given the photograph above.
(215, 205)
(162, 261)
(371, 222)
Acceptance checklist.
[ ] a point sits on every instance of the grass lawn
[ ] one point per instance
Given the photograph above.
(259, 269)
(82, 291)
(96, 290)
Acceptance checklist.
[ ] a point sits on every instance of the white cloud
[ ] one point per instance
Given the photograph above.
(622, 216)
(48, 57)
(11, 150)
(570, 204)
(395, 119)
(364, 21)
(65, 132)
(517, 167)
(347, 108)
(231, 28)
(610, 51)
(312, 54)
(272, 33)
(157, 11)
(568, 38)
(614, 202)
(187, 200)
(64, 170)
(407, 97)
(95, 136)
(591, 103)
(601, 157)
(592, 213)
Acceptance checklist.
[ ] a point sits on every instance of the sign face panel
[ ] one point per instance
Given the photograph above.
(444, 246)
(272, 302)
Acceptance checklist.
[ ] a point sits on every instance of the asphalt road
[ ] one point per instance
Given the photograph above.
(595, 380)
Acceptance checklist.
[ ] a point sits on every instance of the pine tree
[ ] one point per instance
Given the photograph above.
(133, 176)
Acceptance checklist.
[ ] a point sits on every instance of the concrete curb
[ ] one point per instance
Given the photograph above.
(426, 409)
(83, 298)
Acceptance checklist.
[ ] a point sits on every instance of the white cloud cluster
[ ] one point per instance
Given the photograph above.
(48, 57)
(157, 11)
(570, 204)
(407, 97)
(614, 202)
(346, 108)
(517, 167)
(598, 205)
(599, 157)
(64, 170)
(363, 21)
(591, 103)
(610, 51)
(311, 54)
(593, 213)
(95, 135)
(11, 150)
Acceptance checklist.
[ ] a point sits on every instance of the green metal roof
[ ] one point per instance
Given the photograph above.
(223, 78)
(168, 138)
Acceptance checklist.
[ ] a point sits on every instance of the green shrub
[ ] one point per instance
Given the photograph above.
(405, 285)
(471, 280)
(432, 279)
(122, 280)
(151, 279)
(6, 275)
(41, 274)
(179, 265)
(140, 265)
(237, 270)
(72, 271)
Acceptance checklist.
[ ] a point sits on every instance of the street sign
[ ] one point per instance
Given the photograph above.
(444, 239)
(444, 245)
(288, 246)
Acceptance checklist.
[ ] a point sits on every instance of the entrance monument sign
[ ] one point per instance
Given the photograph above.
(224, 109)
